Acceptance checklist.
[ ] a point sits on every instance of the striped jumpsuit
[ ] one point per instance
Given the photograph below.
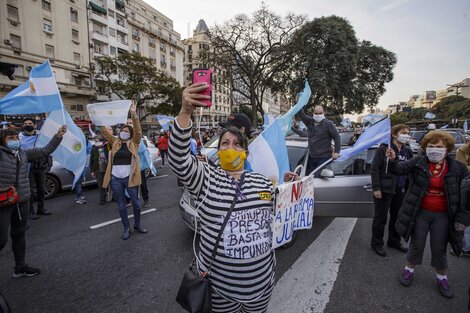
(243, 271)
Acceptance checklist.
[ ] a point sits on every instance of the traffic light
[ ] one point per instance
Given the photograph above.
(8, 69)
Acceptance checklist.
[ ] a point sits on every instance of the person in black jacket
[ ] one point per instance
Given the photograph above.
(432, 204)
(14, 164)
(389, 191)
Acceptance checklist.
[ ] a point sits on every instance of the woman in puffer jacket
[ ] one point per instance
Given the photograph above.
(14, 165)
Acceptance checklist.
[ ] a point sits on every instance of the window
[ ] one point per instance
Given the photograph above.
(46, 5)
(122, 38)
(50, 51)
(135, 33)
(120, 21)
(162, 47)
(136, 47)
(110, 13)
(112, 32)
(98, 28)
(76, 58)
(172, 50)
(13, 13)
(47, 26)
(75, 35)
(152, 41)
(152, 54)
(74, 15)
(112, 50)
(98, 47)
(163, 60)
(15, 41)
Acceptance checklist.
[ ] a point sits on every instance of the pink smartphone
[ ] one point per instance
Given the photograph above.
(204, 75)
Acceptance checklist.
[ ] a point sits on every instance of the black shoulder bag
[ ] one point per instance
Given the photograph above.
(195, 292)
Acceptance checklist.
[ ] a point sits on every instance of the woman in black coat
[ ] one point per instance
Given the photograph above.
(431, 205)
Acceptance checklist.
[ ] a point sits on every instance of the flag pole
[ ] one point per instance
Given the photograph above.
(389, 146)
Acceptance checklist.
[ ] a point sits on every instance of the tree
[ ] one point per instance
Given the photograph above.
(132, 76)
(253, 51)
(345, 75)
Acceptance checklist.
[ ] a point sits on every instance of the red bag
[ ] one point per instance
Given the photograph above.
(8, 196)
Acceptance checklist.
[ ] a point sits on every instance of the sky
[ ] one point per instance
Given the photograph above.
(431, 38)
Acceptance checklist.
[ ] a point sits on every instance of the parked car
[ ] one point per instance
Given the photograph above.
(417, 135)
(344, 189)
(59, 179)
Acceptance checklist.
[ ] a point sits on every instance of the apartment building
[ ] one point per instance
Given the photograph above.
(195, 48)
(32, 31)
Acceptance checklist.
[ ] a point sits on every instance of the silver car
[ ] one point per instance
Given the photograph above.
(344, 189)
(59, 179)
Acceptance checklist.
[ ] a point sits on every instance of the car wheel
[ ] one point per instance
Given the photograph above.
(52, 186)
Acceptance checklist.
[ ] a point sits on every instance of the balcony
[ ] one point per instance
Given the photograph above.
(163, 64)
(123, 46)
(102, 19)
(96, 35)
(173, 67)
(122, 28)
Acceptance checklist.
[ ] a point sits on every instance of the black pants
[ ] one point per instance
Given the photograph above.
(162, 154)
(99, 180)
(313, 163)
(37, 179)
(143, 187)
(10, 219)
(380, 219)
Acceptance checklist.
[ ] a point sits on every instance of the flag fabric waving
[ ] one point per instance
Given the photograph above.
(165, 121)
(145, 158)
(71, 153)
(38, 94)
(445, 126)
(372, 118)
(465, 126)
(109, 113)
(285, 121)
(429, 116)
(268, 119)
(375, 134)
(346, 122)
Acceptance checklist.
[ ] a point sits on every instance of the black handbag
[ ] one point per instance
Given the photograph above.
(195, 292)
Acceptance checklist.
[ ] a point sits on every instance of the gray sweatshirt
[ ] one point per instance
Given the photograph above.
(320, 135)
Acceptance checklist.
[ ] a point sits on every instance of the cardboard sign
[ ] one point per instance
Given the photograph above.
(293, 210)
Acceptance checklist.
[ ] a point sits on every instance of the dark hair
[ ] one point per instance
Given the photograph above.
(242, 139)
(397, 128)
(6, 132)
(131, 130)
(29, 119)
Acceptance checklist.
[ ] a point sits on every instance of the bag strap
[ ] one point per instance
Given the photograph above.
(227, 216)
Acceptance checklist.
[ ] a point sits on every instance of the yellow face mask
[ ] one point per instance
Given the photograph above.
(232, 160)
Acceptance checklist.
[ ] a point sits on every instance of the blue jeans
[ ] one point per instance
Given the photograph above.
(119, 186)
(466, 240)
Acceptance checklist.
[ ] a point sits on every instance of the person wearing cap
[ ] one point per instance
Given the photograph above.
(320, 133)
(240, 121)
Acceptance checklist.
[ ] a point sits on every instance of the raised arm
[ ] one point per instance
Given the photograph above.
(304, 117)
(136, 123)
(107, 134)
(36, 153)
(187, 168)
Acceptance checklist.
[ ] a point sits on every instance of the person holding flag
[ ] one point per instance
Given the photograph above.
(123, 170)
(389, 190)
(14, 163)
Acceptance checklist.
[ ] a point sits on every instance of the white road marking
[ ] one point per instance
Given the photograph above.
(159, 176)
(307, 285)
(118, 219)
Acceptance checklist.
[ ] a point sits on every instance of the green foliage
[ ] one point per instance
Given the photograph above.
(345, 75)
(152, 89)
(399, 118)
(453, 107)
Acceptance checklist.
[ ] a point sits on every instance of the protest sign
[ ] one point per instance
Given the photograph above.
(293, 210)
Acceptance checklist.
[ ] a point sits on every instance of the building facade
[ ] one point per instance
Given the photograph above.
(33, 31)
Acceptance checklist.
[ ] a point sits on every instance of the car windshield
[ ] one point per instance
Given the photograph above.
(417, 134)
(213, 143)
(296, 156)
(345, 137)
(358, 164)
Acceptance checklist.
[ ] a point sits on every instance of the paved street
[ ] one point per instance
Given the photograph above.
(85, 270)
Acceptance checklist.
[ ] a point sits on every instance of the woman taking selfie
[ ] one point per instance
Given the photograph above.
(242, 271)
(431, 205)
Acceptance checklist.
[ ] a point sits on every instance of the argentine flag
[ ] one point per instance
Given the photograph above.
(38, 94)
(375, 134)
(285, 121)
(165, 121)
(145, 158)
(71, 153)
(268, 119)
(109, 113)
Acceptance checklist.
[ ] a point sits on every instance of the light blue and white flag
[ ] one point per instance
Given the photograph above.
(346, 122)
(109, 113)
(268, 153)
(145, 158)
(92, 133)
(429, 116)
(375, 134)
(71, 153)
(372, 118)
(465, 126)
(302, 126)
(445, 126)
(285, 121)
(4, 124)
(165, 121)
(268, 119)
(38, 94)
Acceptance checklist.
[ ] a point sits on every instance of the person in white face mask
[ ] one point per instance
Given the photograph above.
(431, 205)
(389, 191)
(320, 133)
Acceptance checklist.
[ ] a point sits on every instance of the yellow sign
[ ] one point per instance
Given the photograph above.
(265, 196)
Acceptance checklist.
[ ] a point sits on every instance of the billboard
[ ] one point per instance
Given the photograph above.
(430, 95)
